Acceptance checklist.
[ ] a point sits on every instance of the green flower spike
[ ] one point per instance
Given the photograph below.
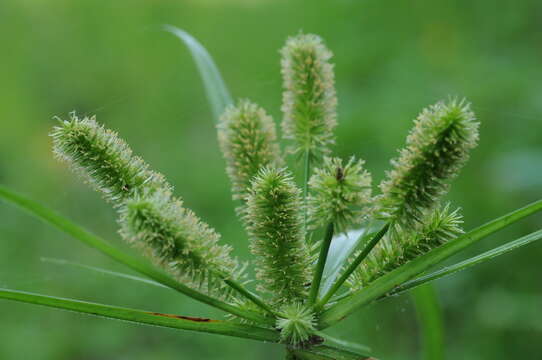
(248, 141)
(340, 194)
(275, 225)
(309, 99)
(436, 228)
(179, 242)
(436, 149)
(103, 160)
(297, 325)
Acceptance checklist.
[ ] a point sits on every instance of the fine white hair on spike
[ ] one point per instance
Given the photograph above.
(309, 100)
(340, 193)
(436, 149)
(248, 141)
(275, 225)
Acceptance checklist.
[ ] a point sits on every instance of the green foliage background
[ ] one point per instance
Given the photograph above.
(110, 58)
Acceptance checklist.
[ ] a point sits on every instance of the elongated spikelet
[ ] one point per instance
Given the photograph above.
(339, 193)
(248, 140)
(437, 227)
(436, 149)
(309, 98)
(104, 160)
(297, 325)
(178, 241)
(275, 224)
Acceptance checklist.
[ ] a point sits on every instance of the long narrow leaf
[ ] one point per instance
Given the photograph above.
(503, 249)
(52, 218)
(430, 321)
(63, 262)
(215, 88)
(417, 266)
(145, 317)
(342, 246)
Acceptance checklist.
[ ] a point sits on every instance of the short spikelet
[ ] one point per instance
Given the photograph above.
(436, 149)
(275, 225)
(297, 325)
(175, 239)
(103, 160)
(340, 194)
(248, 140)
(438, 227)
(309, 98)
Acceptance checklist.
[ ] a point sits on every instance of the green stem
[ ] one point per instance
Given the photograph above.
(306, 177)
(250, 295)
(430, 322)
(324, 250)
(366, 250)
(145, 317)
(389, 281)
(52, 218)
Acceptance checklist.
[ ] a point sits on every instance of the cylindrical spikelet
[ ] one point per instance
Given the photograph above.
(104, 160)
(275, 224)
(309, 98)
(437, 227)
(297, 325)
(178, 241)
(340, 194)
(436, 149)
(248, 140)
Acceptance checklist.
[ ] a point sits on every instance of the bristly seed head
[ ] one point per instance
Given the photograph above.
(339, 193)
(400, 245)
(178, 241)
(275, 225)
(436, 149)
(309, 98)
(248, 141)
(104, 160)
(297, 325)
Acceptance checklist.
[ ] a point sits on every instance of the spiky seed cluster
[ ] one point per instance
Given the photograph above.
(248, 140)
(178, 241)
(339, 193)
(103, 160)
(309, 98)
(436, 149)
(297, 325)
(275, 225)
(393, 251)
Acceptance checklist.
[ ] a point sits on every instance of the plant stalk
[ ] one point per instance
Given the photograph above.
(306, 177)
(324, 250)
(366, 250)
(250, 296)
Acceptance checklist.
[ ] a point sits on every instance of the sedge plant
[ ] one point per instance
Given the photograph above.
(294, 228)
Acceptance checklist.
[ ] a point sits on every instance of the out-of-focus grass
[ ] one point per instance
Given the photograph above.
(112, 59)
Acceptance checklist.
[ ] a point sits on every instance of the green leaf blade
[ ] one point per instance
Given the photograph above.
(215, 87)
(144, 317)
(488, 255)
(388, 282)
(52, 218)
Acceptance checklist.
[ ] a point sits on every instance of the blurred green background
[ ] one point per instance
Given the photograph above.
(110, 58)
